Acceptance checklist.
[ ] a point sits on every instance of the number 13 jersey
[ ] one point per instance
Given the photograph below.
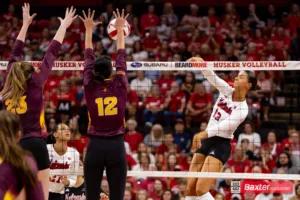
(227, 115)
(106, 100)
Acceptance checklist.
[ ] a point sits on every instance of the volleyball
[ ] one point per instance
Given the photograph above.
(112, 31)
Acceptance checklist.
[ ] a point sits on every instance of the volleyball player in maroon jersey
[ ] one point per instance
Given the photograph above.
(22, 92)
(18, 179)
(106, 102)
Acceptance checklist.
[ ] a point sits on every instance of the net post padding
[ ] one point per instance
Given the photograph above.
(180, 66)
(176, 174)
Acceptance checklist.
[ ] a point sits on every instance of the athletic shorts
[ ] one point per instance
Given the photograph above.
(217, 147)
(38, 148)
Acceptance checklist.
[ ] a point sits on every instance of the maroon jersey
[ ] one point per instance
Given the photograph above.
(106, 100)
(30, 107)
(11, 185)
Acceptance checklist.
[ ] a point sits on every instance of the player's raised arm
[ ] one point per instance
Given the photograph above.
(89, 57)
(64, 24)
(121, 57)
(19, 44)
(216, 81)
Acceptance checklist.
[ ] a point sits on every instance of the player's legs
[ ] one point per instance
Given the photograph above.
(196, 166)
(116, 168)
(211, 164)
(94, 167)
(38, 148)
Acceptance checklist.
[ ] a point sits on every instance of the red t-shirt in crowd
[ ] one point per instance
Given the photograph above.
(132, 97)
(165, 85)
(213, 20)
(70, 96)
(218, 39)
(155, 102)
(280, 42)
(209, 57)
(149, 21)
(253, 57)
(163, 149)
(276, 151)
(239, 167)
(130, 161)
(176, 101)
(151, 43)
(134, 140)
(79, 144)
(294, 23)
(259, 44)
(275, 55)
(200, 102)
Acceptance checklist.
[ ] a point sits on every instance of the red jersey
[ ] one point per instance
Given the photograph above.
(155, 102)
(280, 42)
(213, 20)
(132, 97)
(79, 144)
(200, 102)
(149, 21)
(130, 161)
(164, 150)
(275, 55)
(239, 167)
(176, 101)
(259, 44)
(151, 43)
(134, 140)
(165, 85)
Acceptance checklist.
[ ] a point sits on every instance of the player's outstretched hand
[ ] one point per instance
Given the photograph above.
(69, 18)
(103, 196)
(120, 19)
(27, 19)
(88, 21)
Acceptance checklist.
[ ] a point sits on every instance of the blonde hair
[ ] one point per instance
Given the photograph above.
(15, 84)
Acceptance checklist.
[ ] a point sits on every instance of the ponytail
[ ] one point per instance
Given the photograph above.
(11, 152)
(15, 84)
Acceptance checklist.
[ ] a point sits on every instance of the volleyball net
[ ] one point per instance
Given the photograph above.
(259, 165)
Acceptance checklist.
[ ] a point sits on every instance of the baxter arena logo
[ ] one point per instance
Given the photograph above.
(190, 65)
(261, 186)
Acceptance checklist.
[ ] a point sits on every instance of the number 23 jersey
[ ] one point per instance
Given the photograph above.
(227, 115)
(106, 100)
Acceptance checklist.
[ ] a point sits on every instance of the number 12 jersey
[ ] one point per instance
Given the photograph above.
(106, 100)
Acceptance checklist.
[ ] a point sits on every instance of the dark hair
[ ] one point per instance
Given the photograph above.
(278, 165)
(102, 68)
(11, 152)
(251, 124)
(253, 80)
(296, 187)
(162, 196)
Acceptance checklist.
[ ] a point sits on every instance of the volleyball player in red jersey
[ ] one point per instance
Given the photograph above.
(18, 179)
(22, 92)
(106, 102)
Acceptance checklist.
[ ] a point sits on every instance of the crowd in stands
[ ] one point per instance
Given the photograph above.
(165, 108)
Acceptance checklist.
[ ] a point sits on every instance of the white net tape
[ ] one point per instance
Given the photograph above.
(169, 66)
(196, 174)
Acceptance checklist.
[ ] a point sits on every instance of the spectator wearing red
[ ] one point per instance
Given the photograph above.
(7, 17)
(239, 161)
(151, 42)
(132, 102)
(289, 141)
(272, 144)
(129, 186)
(213, 19)
(257, 161)
(77, 27)
(271, 53)
(78, 141)
(68, 41)
(130, 161)
(133, 137)
(149, 20)
(171, 164)
(188, 84)
(259, 42)
(194, 43)
(165, 147)
(213, 39)
(252, 52)
(206, 53)
(199, 106)
(174, 41)
(267, 159)
(158, 190)
(163, 54)
(294, 19)
(153, 106)
(167, 195)
(174, 104)
(231, 11)
(165, 82)
(281, 41)
(225, 28)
